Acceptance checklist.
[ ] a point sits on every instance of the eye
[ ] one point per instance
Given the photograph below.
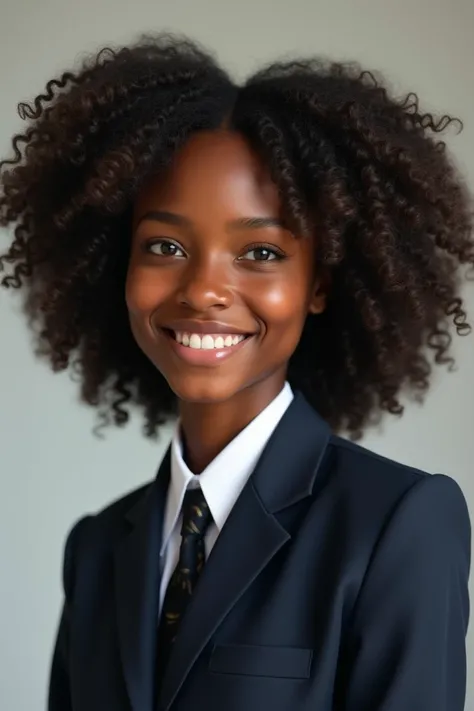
(262, 253)
(165, 248)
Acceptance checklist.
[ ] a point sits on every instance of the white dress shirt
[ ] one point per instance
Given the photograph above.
(221, 481)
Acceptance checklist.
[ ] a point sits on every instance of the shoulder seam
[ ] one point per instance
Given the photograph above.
(343, 444)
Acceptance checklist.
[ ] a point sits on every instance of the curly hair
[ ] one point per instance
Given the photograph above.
(362, 168)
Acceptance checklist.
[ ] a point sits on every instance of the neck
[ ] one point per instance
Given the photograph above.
(207, 428)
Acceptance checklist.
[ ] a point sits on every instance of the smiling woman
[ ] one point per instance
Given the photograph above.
(273, 263)
(196, 269)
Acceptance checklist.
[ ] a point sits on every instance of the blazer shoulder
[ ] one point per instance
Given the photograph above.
(97, 532)
(112, 516)
(363, 467)
(105, 525)
(119, 508)
(370, 484)
(370, 494)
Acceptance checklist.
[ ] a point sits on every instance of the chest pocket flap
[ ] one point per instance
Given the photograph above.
(253, 660)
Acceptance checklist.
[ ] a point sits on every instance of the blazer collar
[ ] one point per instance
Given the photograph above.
(298, 443)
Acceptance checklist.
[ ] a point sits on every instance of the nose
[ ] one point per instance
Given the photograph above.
(205, 286)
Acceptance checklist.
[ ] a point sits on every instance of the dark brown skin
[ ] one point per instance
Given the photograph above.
(216, 271)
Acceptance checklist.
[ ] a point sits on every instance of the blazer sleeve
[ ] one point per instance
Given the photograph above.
(408, 638)
(59, 696)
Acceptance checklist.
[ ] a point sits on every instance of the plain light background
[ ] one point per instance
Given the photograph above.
(53, 470)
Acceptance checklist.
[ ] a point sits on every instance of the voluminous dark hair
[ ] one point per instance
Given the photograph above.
(392, 216)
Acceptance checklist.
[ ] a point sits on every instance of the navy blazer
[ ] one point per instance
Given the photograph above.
(339, 582)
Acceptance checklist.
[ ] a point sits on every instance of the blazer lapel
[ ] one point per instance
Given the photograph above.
(251, 536)
(137, 576)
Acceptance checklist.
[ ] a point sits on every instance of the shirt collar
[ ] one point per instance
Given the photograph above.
(224, 478)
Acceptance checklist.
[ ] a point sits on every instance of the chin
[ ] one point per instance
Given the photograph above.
(203, 390)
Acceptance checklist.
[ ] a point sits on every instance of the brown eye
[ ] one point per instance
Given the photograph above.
(165, 248)
(262, 254)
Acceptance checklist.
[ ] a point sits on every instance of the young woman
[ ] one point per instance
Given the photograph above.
(270, 262)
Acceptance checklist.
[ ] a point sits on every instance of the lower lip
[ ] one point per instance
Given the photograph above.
(202, 356)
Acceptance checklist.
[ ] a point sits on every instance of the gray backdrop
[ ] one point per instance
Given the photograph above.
(52, 468)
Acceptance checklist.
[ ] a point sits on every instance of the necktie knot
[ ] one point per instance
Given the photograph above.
(196, 514)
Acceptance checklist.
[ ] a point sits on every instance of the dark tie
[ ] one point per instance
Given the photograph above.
(196, 520)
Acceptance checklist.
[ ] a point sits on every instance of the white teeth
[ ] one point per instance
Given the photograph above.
(207, 341)
(195, 341)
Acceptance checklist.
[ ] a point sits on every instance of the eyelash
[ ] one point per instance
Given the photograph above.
(163, 240)
(278, 254)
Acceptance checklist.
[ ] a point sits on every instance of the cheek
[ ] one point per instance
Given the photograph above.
(283, 304)
(143, 291)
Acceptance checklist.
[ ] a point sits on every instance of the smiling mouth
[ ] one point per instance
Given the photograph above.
(206, 341)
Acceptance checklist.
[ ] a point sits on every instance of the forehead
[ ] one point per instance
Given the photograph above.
(216, 172)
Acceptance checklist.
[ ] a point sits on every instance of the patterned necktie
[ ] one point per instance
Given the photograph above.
(196, 520)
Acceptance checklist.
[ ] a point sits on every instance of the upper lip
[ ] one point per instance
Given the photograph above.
(189, 326)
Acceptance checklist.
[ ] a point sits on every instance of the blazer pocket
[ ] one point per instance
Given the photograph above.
(253, 660)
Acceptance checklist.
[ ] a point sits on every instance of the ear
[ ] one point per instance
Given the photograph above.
(318, 299)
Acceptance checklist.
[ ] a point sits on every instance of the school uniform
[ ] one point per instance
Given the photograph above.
(334, 579)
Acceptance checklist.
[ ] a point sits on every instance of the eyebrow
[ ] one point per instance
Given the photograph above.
(250, 223)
